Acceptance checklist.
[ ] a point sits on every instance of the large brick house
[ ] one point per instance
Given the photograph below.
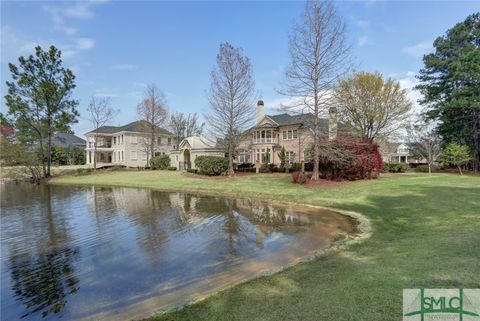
(272, 132)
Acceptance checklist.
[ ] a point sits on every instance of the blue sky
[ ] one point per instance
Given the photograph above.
(116, 48)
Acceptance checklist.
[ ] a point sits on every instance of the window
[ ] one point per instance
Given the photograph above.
(122, 152)
(263, 136)
(289, 134)
(144, 156)
(114, 140)
(114, 157)
(169, 141)
(290, 157)
(133, 155)
(159, 140)
(122, 141)
(243, 156)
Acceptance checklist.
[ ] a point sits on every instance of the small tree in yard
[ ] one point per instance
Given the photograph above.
(319, 56)
(456, 155)
(231, 98)
(283, 156)
(100, 112)
(426, 143)
(152, 110)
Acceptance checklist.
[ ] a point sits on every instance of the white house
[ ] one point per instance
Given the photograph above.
(126, 145)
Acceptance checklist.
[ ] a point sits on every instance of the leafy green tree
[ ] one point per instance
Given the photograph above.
(372, 105)
(450, 84)
(456, 155)
(39, 99)
(60, 155)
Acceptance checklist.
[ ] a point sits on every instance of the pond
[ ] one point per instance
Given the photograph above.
(92, 253)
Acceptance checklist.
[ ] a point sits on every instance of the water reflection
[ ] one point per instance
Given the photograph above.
(43, 283)
(118, 253)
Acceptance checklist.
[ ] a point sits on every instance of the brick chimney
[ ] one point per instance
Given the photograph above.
(260, 111)
(332, 123)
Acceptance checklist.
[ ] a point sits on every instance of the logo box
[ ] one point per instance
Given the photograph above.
(441, 305)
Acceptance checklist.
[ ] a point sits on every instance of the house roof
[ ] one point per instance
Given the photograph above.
(306, 120)
(67, 140)
(198, 142)
(139, 126)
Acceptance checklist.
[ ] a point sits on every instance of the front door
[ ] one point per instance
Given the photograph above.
(186, 159)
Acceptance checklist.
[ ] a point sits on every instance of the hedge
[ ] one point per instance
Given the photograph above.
(211, 165)
(160, 162)
(395, 167)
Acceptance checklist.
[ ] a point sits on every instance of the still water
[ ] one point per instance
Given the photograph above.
(91, 253)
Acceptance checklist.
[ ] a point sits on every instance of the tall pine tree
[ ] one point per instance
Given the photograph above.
(450, 83)
(39, 99)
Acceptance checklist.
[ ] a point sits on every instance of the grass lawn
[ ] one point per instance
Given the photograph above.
(426, 233)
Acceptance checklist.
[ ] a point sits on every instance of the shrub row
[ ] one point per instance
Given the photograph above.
(211, 165)
(424, 168)
(396, 167)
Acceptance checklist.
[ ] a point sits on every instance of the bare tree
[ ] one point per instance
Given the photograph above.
(319, 55)
(425, 142)
(152, 110)
(185, 125)
(371, 105)
(231, 98)
(100, 112)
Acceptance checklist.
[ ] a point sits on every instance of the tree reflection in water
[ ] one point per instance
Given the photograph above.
(43, 283)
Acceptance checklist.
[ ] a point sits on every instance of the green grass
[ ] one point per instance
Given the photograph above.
(426, 233)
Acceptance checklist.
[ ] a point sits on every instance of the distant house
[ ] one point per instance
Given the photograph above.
(7, 131)
(126, 145)
(398, 153)
(68, 141)
(272, 132)
(192, 147)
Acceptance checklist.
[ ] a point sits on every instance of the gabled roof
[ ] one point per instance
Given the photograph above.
(67, 140)
(197, 142)
(139, 126)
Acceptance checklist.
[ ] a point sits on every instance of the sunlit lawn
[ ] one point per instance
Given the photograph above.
(426, 234)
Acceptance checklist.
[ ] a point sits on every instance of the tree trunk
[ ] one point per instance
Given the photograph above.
(429, 169)
(152, 144)
(230, 171)
(49, 150)
(460, 169)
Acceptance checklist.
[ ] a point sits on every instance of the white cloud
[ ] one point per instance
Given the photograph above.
(362, 41)
(409, 82)
(419, 49)
(85, 43)
(60, 13)
(124, 67)
(362, 23)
